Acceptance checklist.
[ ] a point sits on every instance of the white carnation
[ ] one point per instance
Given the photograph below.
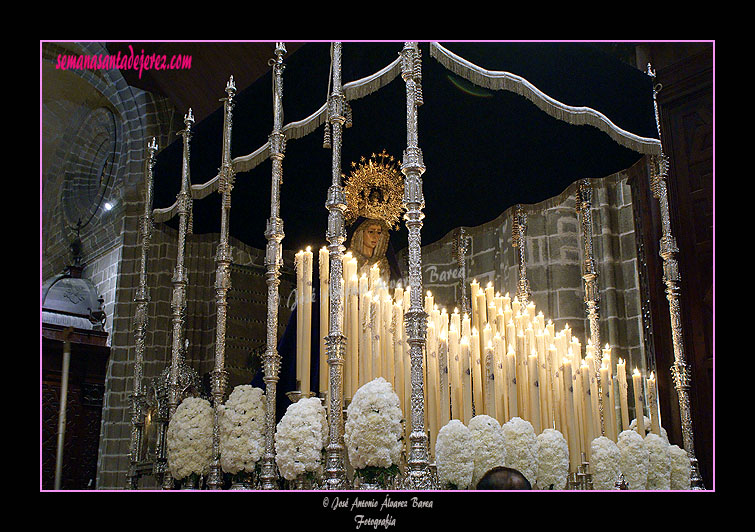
(605, 458)
(521, 447)
(189, 438)
(552, 460)
(454, 455)
(633, 426)
(488, 445)
(300, 438)
(659, 463)
(241, 421)
(373, 426)
(680, 468)
(634, 459)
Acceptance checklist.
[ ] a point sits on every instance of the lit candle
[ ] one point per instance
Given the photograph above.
(543, 382)
(594, 403)
(568, 395)
(609, 414)
(489, 296)
(638, 401)
(445, 399)
(365, 356)
(589, 397)
(374, 276)
(398, 351)
(429, 301)
(455, 320)
(377, 370)
(621, 375)
(655, 415)
(478, 390)
(511, 391)
(353, 338)
(307, 333)
(324, 263)
(522, 392)
(454, 364)
(501, 404)
(466, 375)
(474, 287)
(432, 395)
(534, 391)
(388, 331)
(466, 328)
(490, 404)
(299, 262)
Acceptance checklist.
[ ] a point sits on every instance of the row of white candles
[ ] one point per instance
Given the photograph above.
(518, 367)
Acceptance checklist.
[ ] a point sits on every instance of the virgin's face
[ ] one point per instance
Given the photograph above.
(371, 238)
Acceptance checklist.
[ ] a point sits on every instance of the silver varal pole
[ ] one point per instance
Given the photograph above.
(518, 241)
(142, 302)
(590, 278)
(223, 259)
(180, 281)
(273, 261)
(418, 471)
(336, 236)
(680, 371)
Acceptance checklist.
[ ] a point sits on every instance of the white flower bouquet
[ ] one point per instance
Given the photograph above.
(189, 438)
(241, 422)
(633, 426)
(659, 463)
(454, 455)
(489, 446)
(373, 431)
(521, 447)
(634, 459)
(680, 468)
(552, 460)
(606, 463)
(300, 438)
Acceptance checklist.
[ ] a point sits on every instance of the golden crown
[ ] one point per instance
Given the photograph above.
(375, 189)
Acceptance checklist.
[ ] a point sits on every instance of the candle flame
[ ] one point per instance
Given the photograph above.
(652, 376)
(636, 371)
(309, 249)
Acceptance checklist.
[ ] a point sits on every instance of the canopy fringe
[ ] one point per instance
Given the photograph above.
(500, 80)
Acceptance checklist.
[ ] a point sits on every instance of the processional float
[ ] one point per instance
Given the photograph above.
(178, 378)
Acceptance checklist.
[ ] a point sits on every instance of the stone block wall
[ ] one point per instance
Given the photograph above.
(554, 257)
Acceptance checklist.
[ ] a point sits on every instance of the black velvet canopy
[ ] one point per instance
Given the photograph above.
(485, 150)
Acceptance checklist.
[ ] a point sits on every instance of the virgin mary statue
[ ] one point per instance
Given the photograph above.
(374, 192)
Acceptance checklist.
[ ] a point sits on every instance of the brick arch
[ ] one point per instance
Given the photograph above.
(131, 134)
